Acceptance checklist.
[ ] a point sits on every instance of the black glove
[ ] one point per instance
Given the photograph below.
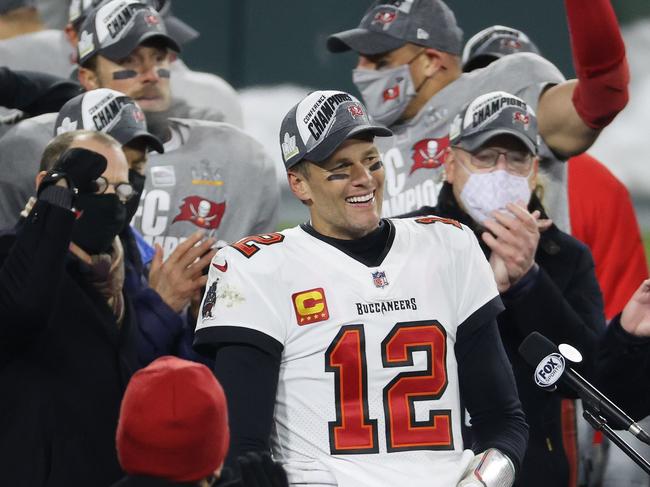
(80, 168)
(256, 470)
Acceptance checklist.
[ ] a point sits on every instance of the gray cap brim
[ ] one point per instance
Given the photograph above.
(363, 41)
(326, 148)
(122, 49)
(181, 32)
(152, 141)
(475, 141)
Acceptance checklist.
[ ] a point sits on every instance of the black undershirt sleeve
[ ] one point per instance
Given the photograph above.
(249, 377)
(489, 391)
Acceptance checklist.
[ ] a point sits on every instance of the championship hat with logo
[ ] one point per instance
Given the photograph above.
(494, 43)
(107, 111)
(388, 25)
(117, 27)
(320, 123)
(493, 114)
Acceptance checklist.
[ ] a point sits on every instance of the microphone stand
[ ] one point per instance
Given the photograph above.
(600, 424)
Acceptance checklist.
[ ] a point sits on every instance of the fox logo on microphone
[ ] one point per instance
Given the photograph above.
(549, 370)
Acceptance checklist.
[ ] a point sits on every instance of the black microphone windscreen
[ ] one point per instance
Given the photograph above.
(535, 348)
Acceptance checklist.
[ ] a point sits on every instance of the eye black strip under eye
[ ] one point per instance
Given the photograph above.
(124, 74)
(335, 177)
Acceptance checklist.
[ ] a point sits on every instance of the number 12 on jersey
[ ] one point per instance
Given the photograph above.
(354, 432)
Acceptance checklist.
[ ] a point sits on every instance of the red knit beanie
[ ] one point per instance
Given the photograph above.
(173, 422)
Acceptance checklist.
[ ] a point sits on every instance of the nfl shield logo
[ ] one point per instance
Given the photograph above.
(379, 279)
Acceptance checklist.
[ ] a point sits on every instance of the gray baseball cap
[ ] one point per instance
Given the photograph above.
(320, 123)
(116, 27)
(79, 9)
(9, 5)
(493, 43)
(107, 111)
(493, 114)
(388, 25)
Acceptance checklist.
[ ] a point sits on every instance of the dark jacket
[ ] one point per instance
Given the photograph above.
(64, 363)
(623, 369)
(140, 481)
(563, 302)
(161, 331)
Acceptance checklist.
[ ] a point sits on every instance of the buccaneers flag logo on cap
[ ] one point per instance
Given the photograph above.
(203, 213)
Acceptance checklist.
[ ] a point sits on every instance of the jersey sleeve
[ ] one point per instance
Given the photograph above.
(477, 296)
(238, 305)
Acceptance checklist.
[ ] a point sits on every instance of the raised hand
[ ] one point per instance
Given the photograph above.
(513, 240)
(181, 276)
(636, 314)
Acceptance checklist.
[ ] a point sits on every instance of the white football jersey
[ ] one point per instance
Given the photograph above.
(368, 390)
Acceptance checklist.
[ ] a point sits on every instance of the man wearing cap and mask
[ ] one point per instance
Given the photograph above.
(212, 177)
(546, 281)
(346, 341)
(161, 293)
(67, 333)
(410, 76)
(202, 96)
(600, 207)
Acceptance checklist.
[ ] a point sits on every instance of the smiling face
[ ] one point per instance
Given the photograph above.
(344, 193)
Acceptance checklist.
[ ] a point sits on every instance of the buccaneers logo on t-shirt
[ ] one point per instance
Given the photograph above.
(203, 213)
(429, 153)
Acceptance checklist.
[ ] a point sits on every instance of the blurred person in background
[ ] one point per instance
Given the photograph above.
(410, 75)
(198, 184)
(545, 279)
(173, 430)
(67, 333)
(202, 96)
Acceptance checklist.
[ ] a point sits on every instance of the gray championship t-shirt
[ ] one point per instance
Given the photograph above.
(204, 96)
(212, 176)
(21, 149)
(47, 51)
(414, 156)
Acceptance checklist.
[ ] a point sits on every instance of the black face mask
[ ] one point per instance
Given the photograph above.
(102, 218)
(137, 181)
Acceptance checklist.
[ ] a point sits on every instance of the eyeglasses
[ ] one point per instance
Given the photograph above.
(485, 160)
(124, 191)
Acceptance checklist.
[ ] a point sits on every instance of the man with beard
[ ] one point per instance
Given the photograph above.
(212, 176)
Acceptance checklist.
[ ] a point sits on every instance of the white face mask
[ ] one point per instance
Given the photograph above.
(386, 93)
(484, 193)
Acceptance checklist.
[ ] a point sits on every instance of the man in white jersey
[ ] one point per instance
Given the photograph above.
(347, 342)
(410, 76)
(212, 176)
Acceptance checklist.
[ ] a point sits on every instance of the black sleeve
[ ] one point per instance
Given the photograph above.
(489, 392)
(35, 93)
(249, 376)
(623, 368)
(572, 315)
(31, 272)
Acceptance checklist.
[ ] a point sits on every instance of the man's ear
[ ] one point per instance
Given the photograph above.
(39, 178)
(450, 166)
(88, 79)
(299, 186)
(434, 61)
(71, 35)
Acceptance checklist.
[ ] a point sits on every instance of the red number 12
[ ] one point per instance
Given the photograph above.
(354, 431)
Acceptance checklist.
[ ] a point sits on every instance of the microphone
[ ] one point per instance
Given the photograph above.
(550, 367)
